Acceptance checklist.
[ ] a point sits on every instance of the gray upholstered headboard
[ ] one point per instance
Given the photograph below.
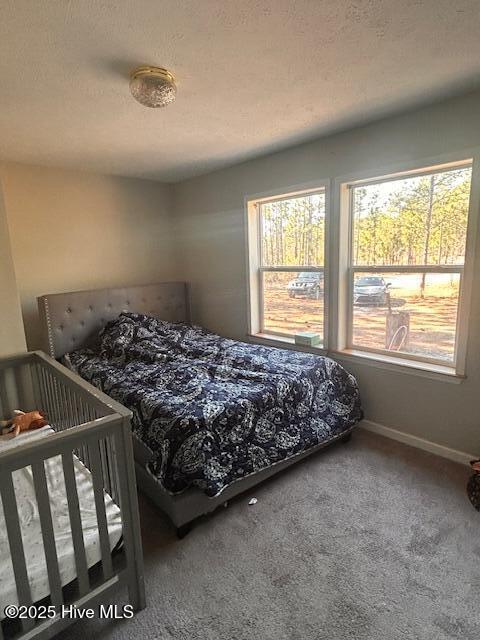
(69, 319)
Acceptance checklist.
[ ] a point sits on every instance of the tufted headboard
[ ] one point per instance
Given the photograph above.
(69, 319)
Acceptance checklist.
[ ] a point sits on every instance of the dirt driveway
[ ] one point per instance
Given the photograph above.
(432, 319)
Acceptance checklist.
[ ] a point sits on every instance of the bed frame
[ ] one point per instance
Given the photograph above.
(70, 319)
(95, 429)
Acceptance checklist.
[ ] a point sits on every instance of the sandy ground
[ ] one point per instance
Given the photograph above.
(432, 319)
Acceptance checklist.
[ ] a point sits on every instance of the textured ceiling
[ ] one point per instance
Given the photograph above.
(253, 76)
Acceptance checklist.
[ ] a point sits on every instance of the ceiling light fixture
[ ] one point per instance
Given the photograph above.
(153, 86)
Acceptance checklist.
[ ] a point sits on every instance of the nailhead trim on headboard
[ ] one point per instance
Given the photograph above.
(49, 328)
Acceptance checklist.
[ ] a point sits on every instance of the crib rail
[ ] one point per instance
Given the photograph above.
(94, 428)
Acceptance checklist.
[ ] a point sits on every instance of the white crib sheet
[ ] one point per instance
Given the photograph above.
(31, 530)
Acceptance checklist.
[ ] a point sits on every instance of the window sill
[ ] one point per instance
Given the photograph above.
(284, 342)
(400, 365)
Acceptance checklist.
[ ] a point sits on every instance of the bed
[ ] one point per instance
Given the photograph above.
(212, 417)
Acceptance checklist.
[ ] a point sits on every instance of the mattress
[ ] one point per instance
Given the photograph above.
(210, 410)
(31, 529)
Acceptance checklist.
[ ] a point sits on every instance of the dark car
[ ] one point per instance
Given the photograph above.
(308, 284)
(370, 290)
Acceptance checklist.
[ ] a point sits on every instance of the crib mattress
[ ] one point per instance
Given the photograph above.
(31, 529)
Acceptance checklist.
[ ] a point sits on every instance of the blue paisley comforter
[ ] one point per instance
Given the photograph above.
(213, 410)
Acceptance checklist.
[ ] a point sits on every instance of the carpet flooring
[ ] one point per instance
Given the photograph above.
(369, 540)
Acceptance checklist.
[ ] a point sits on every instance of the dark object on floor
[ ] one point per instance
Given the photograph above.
(184, 529)
(473, 490)
(473, 486)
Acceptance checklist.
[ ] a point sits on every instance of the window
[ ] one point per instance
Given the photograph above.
(287, 259)
(386, 278)
(406, 263)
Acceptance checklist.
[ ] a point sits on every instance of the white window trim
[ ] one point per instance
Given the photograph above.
(341, 238)
(255, 269)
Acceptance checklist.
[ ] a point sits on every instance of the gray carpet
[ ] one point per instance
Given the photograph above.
(370, 540)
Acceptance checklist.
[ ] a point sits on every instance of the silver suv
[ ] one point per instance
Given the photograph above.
(370, 290)
(308, 284)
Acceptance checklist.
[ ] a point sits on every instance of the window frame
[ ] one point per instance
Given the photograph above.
(256, 269)
(345, 238)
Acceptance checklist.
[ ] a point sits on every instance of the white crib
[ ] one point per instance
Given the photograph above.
(69, 525)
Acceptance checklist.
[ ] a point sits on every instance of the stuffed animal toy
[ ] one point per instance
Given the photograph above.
(22, 422)
(473, 486)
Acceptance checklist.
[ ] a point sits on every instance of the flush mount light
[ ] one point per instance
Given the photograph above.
(153, 86)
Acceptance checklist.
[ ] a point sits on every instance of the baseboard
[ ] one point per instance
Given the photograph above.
(420, 443)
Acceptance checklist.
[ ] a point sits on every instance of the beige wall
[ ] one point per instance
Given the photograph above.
(12, 337)
(209, 218)
(71, 230)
